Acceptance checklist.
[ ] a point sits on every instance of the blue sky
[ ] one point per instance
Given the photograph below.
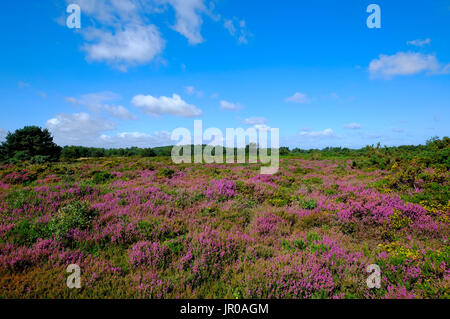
(138, 69)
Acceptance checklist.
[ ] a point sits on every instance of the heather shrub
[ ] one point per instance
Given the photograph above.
(221, 190)
(146, 253)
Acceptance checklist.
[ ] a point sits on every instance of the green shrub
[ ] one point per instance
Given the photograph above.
(72, 216)
(19, 198)
(101, 177)
(309, 204)
(166, 172)
(27, 233)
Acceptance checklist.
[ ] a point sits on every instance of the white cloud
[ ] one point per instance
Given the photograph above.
(97, 102)
(174, 105)
(327, 133)
(298, 98)
(82, 129)
(419, 42)
(225, 105)
(188, 18)
(121, 34)
(353, 126)
(405, 63)
(255, 121)
(133, 45)
(398, 130)
(77, 129)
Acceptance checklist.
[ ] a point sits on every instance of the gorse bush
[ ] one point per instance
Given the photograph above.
(72, 216)
(101, 177)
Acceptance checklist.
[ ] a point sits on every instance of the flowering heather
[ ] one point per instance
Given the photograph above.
(142, 228)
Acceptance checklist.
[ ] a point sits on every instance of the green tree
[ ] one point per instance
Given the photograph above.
(29, 143)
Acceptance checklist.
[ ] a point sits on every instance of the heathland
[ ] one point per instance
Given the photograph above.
(143, 227)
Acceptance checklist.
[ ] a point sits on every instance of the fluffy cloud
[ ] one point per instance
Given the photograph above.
(405, 63)
(98, 102)
(83, 129)
(327, 133)
(122, 36)
(225, 105)
(419, 42)
(174, 105)
(255, 121)
(353, 126)
(188, 18)
(77, 129)
(130, 46)
(298, 98)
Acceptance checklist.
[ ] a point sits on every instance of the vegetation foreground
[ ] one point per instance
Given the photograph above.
(147, 228)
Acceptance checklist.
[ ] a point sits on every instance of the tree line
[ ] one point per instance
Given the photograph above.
(36, 145)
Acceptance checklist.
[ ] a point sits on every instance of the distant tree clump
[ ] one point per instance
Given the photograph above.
(31, 143)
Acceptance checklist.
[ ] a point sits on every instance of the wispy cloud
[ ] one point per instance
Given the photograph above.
(327, 133)
(298, 98)
(225, 105)
(238, 29)
(419, 42)
(353, 126)
(255, 121)
(22, 85)
(28, 86)
(406, 63)
(101, 102)
(190, 90)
